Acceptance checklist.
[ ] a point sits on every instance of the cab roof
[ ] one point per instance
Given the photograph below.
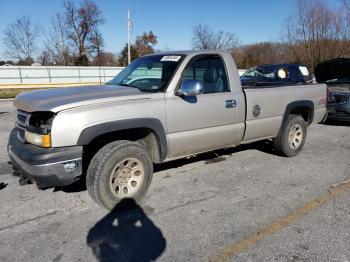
(191, 52)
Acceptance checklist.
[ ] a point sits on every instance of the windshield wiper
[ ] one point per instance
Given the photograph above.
(141, 89)
(123, 85)
(108, 83)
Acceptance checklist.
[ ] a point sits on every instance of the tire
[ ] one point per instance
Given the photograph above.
(121, 169)
(288, 142)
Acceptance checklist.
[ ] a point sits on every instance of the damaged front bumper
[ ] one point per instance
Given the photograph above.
(48, 167)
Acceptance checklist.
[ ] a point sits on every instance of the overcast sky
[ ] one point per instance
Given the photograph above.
(172, 21)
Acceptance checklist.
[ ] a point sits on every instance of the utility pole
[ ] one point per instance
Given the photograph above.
(129, 30)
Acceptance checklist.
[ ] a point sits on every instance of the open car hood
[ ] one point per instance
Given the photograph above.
(333, 69)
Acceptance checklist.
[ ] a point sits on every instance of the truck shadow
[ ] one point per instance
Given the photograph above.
(2, 185)
(218, 155)
(126, 234)
(208, 158)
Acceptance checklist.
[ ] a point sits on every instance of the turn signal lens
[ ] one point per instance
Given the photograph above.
(37, 139)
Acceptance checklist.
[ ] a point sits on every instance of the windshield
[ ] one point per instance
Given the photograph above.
(148, 73)
(264, 72)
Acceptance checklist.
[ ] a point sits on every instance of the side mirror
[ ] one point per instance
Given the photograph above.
(191, 87)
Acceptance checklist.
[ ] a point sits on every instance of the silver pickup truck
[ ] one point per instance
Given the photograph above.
(160, 108)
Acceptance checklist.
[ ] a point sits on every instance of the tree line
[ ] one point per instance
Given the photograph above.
(73, 37)
(314, 32)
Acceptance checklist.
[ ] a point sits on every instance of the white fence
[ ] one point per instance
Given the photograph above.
(56, 74)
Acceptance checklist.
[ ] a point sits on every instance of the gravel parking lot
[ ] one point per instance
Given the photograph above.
(242, 204)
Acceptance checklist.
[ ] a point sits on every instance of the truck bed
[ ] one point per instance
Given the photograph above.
(271, 101)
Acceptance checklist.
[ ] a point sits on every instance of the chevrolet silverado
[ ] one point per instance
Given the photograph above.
(161, 107)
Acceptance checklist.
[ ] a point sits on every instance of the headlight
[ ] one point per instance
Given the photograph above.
(38, 129)
(41, 119)
(37, 139)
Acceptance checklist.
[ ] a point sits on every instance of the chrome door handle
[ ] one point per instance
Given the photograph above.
(230, 103)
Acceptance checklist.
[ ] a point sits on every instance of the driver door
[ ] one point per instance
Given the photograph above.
(206, 121)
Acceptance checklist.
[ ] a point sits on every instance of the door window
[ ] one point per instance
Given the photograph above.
(210, 70)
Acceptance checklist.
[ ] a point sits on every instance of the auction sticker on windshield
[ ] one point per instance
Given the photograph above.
(172, 58)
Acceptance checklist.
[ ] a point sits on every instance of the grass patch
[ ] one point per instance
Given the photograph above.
(12, 92)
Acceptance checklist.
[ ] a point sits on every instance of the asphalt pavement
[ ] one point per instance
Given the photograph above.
(241, 204)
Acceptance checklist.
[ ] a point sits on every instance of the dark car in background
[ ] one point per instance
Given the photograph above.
(276, 75)
(336, 74)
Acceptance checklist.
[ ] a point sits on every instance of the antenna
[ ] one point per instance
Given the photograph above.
(129, 30)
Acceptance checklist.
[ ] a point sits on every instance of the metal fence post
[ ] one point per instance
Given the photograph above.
(49, 73)
(20, 75)
(99, 73)
(79, 74)
(104, 74)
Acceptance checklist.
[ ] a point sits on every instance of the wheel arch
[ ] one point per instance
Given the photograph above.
(304, 108)
(149, 132)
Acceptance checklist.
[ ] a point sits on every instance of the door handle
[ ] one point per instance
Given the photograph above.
(230, 103)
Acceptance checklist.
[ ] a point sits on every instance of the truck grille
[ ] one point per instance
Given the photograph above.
(22, 122)
(338, 98)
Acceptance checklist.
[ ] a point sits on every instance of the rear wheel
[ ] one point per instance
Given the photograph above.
(121, 169)
(291, 137)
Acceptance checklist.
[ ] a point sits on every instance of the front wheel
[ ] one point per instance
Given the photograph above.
(121, 169)
(291, 137)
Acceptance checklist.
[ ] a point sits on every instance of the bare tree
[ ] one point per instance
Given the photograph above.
(316, 32)
(83, 26)
(45, 58)
(96, 41)
(20, 39)
(205, 38)
(263, 53)
(105, 59)
(225, 40)
(123, 57)
(144, 43)
(202, 37)
(57, 46)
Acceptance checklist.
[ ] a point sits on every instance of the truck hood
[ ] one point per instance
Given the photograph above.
(333, 69)
(59, 99)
